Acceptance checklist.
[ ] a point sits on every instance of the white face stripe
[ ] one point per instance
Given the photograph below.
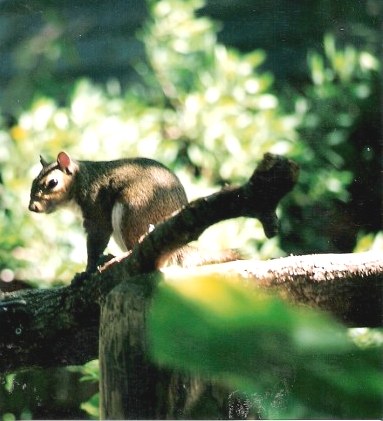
(117, 213)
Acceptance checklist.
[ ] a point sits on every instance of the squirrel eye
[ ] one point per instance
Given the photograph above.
(52, 183)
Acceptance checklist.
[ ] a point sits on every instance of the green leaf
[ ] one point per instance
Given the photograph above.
(9, 382)
(254, 342)
(91, 406)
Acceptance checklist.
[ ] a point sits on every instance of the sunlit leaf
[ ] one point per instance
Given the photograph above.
(250, 340)
(91, 407)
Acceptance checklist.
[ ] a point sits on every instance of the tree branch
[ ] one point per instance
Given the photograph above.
(59, 326)
(274, 177)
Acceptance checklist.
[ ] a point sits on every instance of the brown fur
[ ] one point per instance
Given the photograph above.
(126, 198)
(147, 191)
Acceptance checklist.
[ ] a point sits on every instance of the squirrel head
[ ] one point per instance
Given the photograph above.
(53, 186)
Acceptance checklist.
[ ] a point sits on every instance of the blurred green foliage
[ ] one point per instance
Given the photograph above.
(289, 363)
(210, 112)
(210, 122)
(338, 151)
(89, 373)
(44, 394)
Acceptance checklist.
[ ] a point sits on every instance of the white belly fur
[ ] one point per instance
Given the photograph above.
(117, 213)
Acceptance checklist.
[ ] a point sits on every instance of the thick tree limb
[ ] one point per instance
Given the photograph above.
(60, 326)
(349, 286)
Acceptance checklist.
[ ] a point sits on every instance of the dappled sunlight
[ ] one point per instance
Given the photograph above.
(223, 115)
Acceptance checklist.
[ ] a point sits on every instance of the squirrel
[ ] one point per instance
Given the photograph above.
(123, 198)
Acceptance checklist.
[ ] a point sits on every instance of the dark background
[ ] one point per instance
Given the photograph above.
(97, 38)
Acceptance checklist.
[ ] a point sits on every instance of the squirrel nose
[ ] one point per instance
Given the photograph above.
(33, 207)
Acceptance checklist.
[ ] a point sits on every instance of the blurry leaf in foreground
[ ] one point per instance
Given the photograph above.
(90, 373)
(253, 342)
(91, 407)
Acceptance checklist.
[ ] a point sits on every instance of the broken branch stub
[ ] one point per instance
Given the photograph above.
(274, 177)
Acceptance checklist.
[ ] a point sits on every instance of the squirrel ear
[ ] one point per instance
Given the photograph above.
(65, 163)
(43, 162)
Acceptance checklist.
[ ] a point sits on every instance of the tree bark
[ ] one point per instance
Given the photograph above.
(56, 327)
(348, 286)
(128, 379)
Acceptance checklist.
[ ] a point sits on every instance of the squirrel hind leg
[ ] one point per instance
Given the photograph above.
(117, 224)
